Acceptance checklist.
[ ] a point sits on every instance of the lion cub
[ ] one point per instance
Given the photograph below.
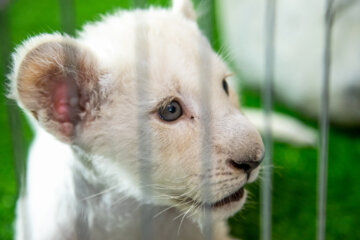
(122, 130)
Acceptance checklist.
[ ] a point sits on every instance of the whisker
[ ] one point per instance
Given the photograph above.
(100, 193)
(161, 212)
(182, 220)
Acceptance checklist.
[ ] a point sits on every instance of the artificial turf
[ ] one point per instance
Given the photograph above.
(295, 169)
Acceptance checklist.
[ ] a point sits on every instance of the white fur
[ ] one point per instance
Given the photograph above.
(85, 172)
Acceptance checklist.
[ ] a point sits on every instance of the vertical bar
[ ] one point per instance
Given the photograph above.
(205, 118)
(324, 126)
(266, 183)
(144, 136)
(67, 19)
(206, 21)
(14, 117)
(206, 143)
(71, 58)
(67, 16)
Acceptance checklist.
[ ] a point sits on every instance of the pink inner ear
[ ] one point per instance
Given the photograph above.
(61, 106)
(65, 100)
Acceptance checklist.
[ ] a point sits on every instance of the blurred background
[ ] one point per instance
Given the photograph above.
(295, 168)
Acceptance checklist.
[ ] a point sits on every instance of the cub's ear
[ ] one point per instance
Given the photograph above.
(55, 80)
(185, 8)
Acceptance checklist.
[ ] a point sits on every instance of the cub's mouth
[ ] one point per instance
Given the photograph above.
(234, 197)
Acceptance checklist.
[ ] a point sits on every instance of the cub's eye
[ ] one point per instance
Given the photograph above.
(170, 112)
(225, 87)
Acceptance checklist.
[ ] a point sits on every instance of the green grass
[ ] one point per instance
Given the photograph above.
(295, 169)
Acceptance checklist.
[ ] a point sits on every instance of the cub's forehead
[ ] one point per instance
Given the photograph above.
(167, 46)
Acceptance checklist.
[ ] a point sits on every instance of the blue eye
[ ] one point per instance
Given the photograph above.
(225, 87)
(170, 112)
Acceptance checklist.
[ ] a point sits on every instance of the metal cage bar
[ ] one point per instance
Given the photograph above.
(144, 137)
(267, 99)
(205, 119)
(324, 124)
(67, 16)
(67, 20)
(14, 119)
(13, 113)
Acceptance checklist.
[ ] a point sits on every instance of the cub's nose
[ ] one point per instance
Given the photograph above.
(243, 147)
(246, 165)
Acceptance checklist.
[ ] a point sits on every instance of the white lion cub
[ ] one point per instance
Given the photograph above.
(121, 100)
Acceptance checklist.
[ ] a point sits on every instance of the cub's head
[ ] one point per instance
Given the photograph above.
(144, 98)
